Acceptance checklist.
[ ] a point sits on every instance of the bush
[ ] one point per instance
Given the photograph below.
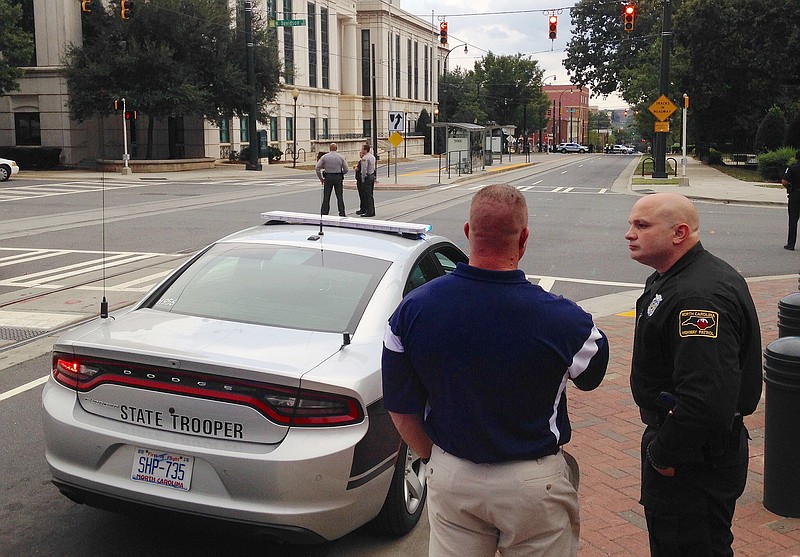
(714, 156)
(773, 164)
(33, 157)
(771, 131)
(273, 154)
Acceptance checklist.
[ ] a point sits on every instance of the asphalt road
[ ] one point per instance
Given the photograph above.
(58, 240)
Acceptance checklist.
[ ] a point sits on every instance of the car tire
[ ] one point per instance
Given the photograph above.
(582, 151)
(5, 173)
(406, 497)
(564, 151)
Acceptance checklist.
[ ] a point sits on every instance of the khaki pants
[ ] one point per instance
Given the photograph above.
(522, 508)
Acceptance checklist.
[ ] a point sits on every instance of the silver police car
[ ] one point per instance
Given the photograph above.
(246, 387)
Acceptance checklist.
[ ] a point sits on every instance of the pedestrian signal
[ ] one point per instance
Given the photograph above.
(86, 6)
(629, 15)
(443, 32)
(126, 9)
(131, 115)
(553, 27)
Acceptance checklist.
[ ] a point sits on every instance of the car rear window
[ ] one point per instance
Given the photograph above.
(274, 285)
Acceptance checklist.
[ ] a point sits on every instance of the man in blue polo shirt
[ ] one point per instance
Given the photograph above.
(475, 367)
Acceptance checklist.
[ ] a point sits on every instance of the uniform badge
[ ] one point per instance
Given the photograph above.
(653, 305)
(698, 323)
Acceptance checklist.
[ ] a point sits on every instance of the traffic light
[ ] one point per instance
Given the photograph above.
(86, 6)
(117, 104)
(126, 9)
(553, 26)
(629, 16)
(443, 32)
(131, 115)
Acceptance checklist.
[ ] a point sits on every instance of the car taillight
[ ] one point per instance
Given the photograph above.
(283, 405)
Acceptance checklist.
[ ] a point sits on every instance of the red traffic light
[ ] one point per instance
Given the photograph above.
(131, 115)
(553, 26)
(443, 32)
(86, 6)
(629, 16)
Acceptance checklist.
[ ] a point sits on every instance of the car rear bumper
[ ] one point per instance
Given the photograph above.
(297, 490)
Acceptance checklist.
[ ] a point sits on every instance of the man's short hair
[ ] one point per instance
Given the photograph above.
(365, 147)
(333, 146)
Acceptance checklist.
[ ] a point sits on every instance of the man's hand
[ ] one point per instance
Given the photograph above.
(668, 471)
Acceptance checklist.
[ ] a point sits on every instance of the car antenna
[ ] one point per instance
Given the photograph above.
(104, 303)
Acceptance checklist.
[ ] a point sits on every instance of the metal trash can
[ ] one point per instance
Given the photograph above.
(782, 426)
(789, 315)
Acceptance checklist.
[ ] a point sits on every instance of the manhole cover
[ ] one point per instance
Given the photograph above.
(19, 333)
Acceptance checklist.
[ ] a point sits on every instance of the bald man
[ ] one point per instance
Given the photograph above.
(475, 369)
(695, 372)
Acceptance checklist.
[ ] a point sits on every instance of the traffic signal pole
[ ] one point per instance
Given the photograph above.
(125, 168)
(253, 162)
(660, 138)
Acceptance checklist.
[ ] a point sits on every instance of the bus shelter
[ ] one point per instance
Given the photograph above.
(464, 146)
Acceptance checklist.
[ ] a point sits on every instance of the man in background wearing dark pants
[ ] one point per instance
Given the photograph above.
(331, 168)
(695, 372)
(368, 179)
(791, 181)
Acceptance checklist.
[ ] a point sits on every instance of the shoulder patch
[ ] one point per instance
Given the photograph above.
(698, 323)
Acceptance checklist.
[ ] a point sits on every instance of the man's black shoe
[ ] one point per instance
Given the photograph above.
(787, 246)
(359, 212)
(368, 215)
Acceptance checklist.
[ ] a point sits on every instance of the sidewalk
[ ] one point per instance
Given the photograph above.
(607, 432)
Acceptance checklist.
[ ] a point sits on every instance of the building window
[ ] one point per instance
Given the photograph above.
(312, 44)
(366, 75)
(244, 129)
(416, 70)
(312, 128)
(397, 64)
(225, 131)
(408, 68)
(289, 128)
(27, 129)
(288, 44)
(427, 72)
(326, 55)
(366, 125)
(273, 128)
(326, 132)
(27, 24)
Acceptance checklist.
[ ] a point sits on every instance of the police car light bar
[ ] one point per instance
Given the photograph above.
(347, 222)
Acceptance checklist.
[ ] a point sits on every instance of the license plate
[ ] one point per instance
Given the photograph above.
(164, 469)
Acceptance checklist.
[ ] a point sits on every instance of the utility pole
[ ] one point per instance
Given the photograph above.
(660, 138)
(253, 163)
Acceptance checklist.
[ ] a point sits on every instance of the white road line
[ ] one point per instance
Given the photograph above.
(44, 278)
(22, 388)
(33, 256)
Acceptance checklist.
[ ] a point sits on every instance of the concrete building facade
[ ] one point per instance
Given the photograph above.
(327, 64)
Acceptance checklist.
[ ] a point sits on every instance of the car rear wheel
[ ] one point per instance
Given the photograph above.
(406, 497)
(563, 150)
(582, 151)
(5, 173)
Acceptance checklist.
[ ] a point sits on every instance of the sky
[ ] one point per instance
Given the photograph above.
(506, 27)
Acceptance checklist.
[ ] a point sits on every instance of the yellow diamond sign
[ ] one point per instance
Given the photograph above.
(662, 108)
(396, 139)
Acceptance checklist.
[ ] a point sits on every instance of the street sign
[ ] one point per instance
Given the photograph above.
(661, 127)
(662, 108)
(287, 22)
(397, 121)
(395, 139)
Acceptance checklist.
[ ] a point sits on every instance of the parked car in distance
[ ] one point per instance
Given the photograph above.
(625, 149)
(571, 148)
(7, 169)
(246, 387)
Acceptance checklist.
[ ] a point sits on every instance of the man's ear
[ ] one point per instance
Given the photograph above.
(466, 229)
(680, 233)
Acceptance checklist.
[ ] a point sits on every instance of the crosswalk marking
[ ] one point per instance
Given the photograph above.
(536, 187)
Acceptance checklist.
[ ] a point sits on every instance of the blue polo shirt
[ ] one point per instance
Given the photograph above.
(485, 357)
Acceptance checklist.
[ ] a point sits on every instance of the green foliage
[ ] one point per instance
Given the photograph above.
(772, 165)
(33, 157)
(792, 138)
(714, 156)
(16, 46)
(272, 153)
(423, 120)
(173, 58)
(771, 131)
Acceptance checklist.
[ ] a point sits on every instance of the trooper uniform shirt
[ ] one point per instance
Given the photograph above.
(697, 338)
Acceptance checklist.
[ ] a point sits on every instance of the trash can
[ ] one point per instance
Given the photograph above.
(487, 157)
(789, 315)
(782, 426)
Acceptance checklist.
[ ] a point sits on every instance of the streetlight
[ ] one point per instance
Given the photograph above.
(446, 56)
(295, 94)
(541, 130)
(405, 131)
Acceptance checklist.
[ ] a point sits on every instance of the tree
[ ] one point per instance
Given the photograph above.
(16, 46)
(173, 58)
(422, 128)
(735, 58)
(771, 131)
